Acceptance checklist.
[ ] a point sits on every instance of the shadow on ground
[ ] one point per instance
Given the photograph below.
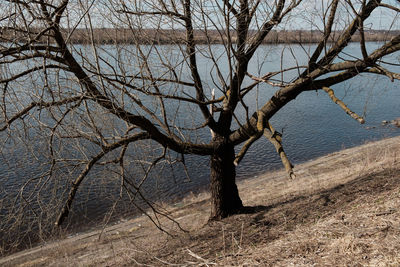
(263, 224)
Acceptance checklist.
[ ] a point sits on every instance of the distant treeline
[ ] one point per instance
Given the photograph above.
(163, 36)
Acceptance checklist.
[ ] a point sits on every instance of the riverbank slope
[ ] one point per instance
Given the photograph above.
(342, 209)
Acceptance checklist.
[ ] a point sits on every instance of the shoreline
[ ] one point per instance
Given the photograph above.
(178, 36)
(325, 172)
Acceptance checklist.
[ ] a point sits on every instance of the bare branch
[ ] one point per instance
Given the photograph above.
(343, 105)
(191, 52)
(87, 79)
(327, 33)
(40, 105)
(246, 147)
(29, 71)
(346, 36)
(383, 71)
(276, 139)
(75, 185)
(231, 8)
(267, 27)
(163, 13)
(390, 7)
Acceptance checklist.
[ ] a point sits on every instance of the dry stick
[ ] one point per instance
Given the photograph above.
(337, 101)
(275, 138)
(203, 261)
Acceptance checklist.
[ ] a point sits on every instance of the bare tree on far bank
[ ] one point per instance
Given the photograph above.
(77, 108)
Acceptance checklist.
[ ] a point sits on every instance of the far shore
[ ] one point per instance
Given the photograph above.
(313, 219)
(165, 36)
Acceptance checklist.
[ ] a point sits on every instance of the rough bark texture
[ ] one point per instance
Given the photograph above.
(225, 198)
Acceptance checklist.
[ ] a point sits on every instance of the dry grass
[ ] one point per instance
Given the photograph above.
(342, 210)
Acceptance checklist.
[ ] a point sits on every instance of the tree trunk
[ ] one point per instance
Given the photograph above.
(225, 198)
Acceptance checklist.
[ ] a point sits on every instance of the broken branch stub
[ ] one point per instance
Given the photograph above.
(340, 103)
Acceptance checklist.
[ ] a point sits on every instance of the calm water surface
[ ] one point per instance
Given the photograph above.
(312, 126)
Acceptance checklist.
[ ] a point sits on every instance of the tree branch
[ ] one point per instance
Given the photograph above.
(39, 104)
(75, 185)
(112, 107)
(191, 52)
(340, 103)
(276, 139)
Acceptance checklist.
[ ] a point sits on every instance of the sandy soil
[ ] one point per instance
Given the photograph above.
(341, 210)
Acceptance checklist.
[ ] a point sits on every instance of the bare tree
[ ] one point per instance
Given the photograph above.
(89, 103)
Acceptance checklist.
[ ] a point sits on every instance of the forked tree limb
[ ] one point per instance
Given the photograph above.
(246, 147)
(231, 8)
(291, 91)
(252, 139)
(380, 70)
(138, 120)
(276, 139)
(77, 182)
(327, 33)
(31, 70)
(40, 104)
(347, 34)
(191, 52)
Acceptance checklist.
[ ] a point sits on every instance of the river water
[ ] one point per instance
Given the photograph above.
(312, 126)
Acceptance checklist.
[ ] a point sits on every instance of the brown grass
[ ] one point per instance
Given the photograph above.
(342, 210)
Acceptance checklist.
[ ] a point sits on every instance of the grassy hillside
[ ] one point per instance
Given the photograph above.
(342, 209)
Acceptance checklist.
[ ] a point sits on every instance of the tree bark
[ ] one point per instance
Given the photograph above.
(225, 198)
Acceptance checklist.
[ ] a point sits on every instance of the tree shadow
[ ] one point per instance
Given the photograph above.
(254, 209)
(268, 222)
(310, 207)
(262, 224)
